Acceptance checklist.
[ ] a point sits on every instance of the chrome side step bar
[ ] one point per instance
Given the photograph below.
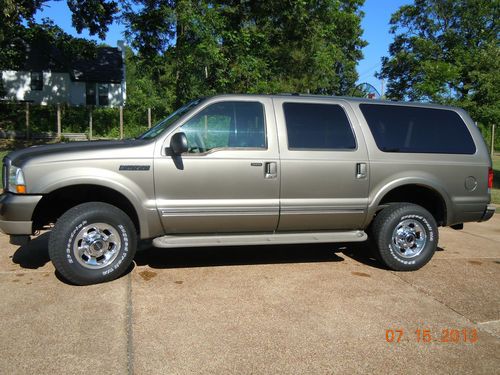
(231, 239)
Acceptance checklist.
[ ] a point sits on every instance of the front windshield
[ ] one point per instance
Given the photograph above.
(165, 123)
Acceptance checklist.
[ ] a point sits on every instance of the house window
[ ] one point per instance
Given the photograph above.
(103, 93)
(90, 93)
(36, 81)
(2, 87)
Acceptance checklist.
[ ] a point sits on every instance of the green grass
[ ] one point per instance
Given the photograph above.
(495, 193)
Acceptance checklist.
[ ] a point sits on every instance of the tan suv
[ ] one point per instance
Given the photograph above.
(250, 170)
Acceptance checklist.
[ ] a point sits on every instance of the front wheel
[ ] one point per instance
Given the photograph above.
(92, 243)
(406, 236)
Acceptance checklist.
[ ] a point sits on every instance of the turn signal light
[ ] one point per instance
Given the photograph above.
(21, 189)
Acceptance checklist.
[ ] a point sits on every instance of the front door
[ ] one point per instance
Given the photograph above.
(228, 181)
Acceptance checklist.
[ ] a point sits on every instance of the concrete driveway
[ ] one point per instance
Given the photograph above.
(258, 310)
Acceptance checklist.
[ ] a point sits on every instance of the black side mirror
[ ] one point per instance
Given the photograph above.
(178, 143)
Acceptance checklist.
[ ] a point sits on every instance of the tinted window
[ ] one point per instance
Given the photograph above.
(226, 125)
(318, 126)
(414, 129)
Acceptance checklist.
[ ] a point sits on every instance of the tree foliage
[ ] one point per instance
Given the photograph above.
(269, 46)
(18, 28)
(447, 51)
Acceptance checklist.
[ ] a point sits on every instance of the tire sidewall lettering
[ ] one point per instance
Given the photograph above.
(69, 244)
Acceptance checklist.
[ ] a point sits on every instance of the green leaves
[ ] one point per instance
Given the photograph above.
(18, 28)
(249, 46)
(93, 15)
(447, 52)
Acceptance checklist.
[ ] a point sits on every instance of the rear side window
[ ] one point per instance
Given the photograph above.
(318, 127)
(418, 130)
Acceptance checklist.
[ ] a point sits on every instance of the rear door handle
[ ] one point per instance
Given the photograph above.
(361, 170)
(271, 170)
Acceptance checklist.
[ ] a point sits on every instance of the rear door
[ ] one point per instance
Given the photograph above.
(324, 165)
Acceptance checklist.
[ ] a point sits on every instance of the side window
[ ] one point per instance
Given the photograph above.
(90, 92)
(417, 130)
(36, 81)
(103, 92)
(313, 126)
(226, 125)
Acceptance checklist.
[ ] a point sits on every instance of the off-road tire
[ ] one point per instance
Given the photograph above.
(384, 229)
(68, 230)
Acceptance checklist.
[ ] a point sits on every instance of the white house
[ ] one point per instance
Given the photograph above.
(44, 80)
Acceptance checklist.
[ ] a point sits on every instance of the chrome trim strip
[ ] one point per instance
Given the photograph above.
(218, 211)
(236, 211)
(330, 212)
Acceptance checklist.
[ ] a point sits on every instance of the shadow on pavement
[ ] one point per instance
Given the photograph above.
(247, 255)
(362, 253)
(35, 254)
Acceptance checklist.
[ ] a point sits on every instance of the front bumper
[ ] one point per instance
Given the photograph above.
(16, 212)
(488, 213)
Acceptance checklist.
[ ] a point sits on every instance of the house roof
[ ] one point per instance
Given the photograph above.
(106, 66)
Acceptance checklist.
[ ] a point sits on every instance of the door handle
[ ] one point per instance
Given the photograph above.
(361, 170)
(271, 170)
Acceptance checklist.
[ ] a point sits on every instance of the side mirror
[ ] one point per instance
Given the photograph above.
(178, 143)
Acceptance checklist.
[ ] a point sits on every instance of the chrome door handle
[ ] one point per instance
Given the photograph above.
(361, 170)
(271, 170)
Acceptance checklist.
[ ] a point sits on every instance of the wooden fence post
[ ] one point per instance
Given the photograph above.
(58, 121)
(149, 118)
(121, 122)
(492, 141)
(27, 121)
(90, 123)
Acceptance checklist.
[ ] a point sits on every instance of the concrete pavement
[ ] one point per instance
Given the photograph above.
(263, 310)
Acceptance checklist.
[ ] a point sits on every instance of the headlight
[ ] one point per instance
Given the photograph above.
(16, 182)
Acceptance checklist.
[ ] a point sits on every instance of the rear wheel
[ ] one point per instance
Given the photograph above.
(92, 243)
(405, 236)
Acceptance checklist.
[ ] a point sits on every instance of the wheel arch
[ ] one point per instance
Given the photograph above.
(432, 197)
(57, 201)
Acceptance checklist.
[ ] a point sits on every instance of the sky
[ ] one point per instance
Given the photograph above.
(375, 25)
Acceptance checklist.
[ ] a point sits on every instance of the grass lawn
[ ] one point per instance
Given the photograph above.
(495, 193)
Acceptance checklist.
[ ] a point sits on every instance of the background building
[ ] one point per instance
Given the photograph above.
(49, 78)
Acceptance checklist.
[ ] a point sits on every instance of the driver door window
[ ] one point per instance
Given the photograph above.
(226, 125)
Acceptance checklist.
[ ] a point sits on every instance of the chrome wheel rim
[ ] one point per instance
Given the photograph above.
(408, 238)
(96, 245)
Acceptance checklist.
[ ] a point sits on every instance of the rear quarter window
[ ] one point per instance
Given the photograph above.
(418, 130)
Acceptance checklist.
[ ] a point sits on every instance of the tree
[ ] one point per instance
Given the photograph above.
(18, 26)
(447, 51)
(249, 46)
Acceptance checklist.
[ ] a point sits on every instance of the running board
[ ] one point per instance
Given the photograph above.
(182, 240)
